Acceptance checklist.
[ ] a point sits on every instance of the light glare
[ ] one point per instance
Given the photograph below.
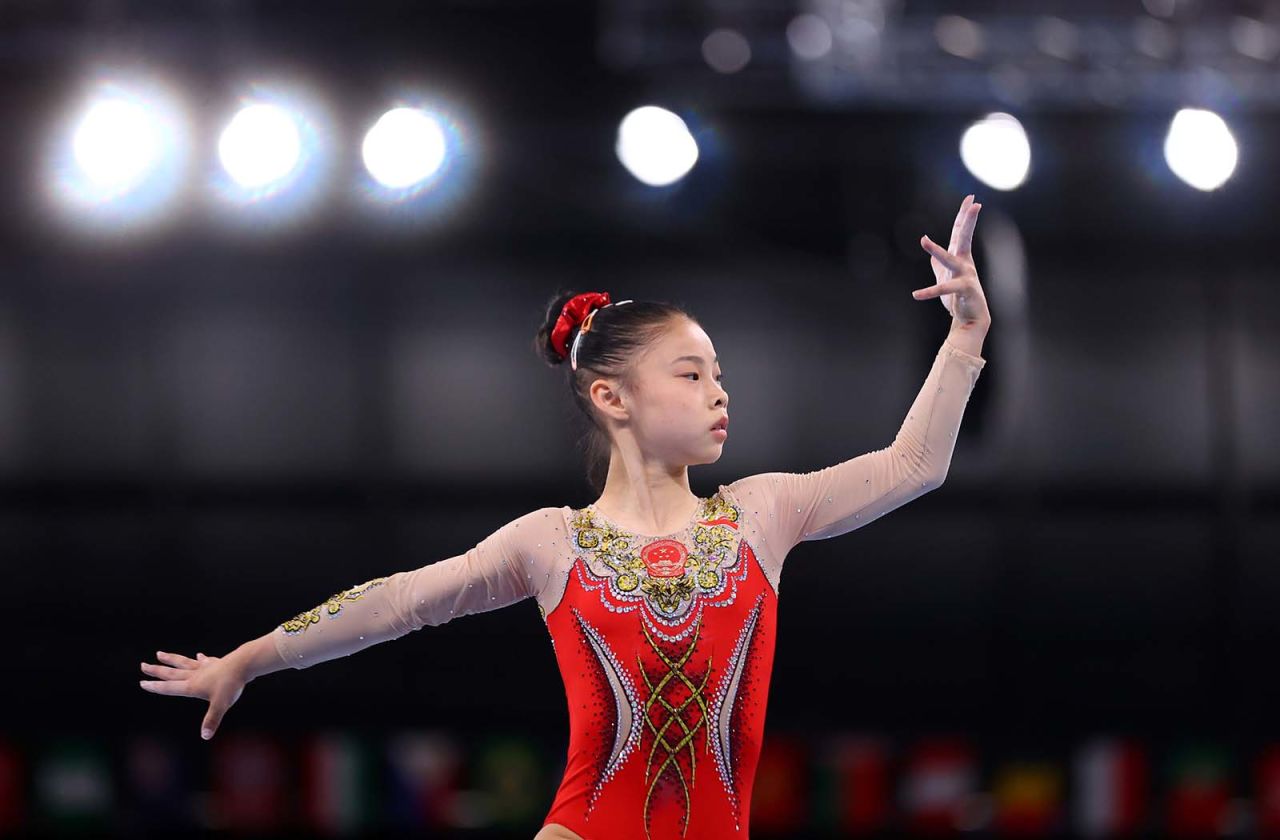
(116, 144)
(260, 145)
(996, 151)
(655, 146)
(1200, 149)
(120, 157)
(405, 146)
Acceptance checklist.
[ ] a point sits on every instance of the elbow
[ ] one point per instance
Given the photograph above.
(932, 477)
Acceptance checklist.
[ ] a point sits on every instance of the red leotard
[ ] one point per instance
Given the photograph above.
(665, 645)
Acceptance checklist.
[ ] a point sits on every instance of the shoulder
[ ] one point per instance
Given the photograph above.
(759, 486)
(541, 513)
(537, 526)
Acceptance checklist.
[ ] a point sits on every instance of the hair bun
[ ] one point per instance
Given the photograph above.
(542, 344)
(576, 313)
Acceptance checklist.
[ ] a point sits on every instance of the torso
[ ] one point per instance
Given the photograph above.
(665, 645)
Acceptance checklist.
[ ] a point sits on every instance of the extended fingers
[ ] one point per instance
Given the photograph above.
(958, 225)
(165, 672)
(964, 236)
(172, 687)
(937, 290)
(942, 255)
(177, 660)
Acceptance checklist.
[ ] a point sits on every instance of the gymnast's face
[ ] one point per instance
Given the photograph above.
(674, 397)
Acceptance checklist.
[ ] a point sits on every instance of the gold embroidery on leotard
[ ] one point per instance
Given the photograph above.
(716, 508)
(714, 543)
(675, 671)
(611, 546)
(332, 606)
(667, 593)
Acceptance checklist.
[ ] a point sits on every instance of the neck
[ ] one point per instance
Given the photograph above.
(645, 496)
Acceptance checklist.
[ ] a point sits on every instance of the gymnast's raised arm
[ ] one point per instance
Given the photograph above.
(835, 500)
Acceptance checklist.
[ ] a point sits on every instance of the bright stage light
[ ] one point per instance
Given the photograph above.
(260, 146)
(655, 146)
(1200, 149)
(405, 147)
(996, 151)
(117, 143)
(422, 157)
(121, 155)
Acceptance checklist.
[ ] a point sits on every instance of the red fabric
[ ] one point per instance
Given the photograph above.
(573, 313)
(664, 735)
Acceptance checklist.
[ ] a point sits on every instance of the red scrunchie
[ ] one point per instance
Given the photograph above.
(571, 315)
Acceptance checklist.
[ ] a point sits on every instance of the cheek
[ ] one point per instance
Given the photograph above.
(670, 411)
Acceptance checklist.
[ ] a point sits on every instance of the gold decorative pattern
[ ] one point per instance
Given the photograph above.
(667, 593)
(675, 671)
(332, 606)
(611, 546)
(717, 508)
(714, 540)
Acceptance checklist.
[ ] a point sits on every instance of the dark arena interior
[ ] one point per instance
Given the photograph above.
(272, 272)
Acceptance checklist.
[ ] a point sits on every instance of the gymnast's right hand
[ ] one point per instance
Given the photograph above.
(216, 679)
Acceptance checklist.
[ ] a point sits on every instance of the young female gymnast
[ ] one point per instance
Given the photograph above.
(660, 604)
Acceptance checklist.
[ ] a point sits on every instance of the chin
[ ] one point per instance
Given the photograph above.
(715, 457)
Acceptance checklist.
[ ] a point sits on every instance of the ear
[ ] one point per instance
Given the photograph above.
(606, 396)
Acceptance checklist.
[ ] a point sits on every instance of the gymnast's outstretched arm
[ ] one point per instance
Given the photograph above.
(498, 571)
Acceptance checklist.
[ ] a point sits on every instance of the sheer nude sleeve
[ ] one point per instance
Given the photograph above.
(503, 568)
(787, 508)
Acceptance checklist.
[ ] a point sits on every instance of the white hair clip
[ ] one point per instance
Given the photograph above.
(586, 325)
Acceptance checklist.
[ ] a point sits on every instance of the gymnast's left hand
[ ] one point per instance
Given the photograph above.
(957, 277)
(218, 679)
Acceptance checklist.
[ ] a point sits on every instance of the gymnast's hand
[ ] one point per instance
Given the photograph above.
(216, 679)
(955, 272)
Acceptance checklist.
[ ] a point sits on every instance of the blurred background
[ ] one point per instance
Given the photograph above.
(271, 273)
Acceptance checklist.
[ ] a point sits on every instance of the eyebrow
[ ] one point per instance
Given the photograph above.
(697, 359)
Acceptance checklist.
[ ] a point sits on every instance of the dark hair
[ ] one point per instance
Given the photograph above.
(609, 348)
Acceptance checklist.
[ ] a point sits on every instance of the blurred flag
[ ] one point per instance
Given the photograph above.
(13, 804)
(1028, 799)
(158, 785)
(1199, 792)
(511, 771)
(939, 782)
(248, 784)
(1111, 777)
(425, 773)
(778, 799)
(336, 784)
(74, 787)
(852, 790)
(1267, 789)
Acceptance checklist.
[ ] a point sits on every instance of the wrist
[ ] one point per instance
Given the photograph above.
(254, 658)
(238, 661)
(971, 326)
(968, 337)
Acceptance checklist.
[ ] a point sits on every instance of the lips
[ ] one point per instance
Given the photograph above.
(723, 423)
